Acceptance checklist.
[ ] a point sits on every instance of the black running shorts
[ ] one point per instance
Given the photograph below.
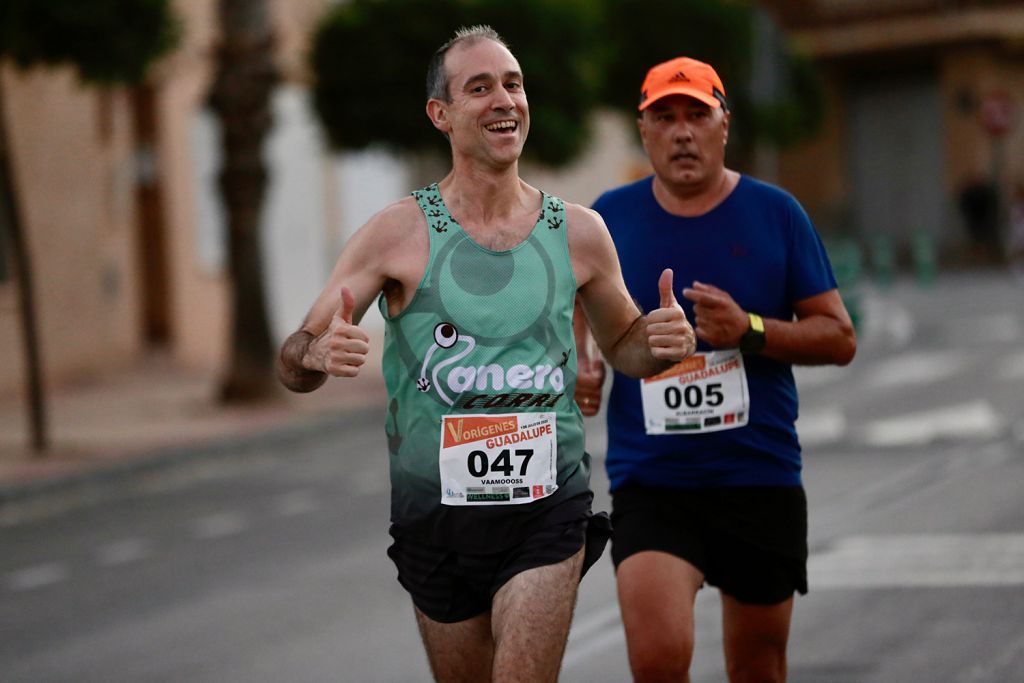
(448, 586)
(750, 542)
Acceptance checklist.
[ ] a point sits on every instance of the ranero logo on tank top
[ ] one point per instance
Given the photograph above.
(444, 375)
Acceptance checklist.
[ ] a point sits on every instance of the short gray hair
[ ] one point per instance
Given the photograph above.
(437, 76)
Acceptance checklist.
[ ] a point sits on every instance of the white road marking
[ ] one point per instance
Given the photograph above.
(887, 319)
(298, 502)
(219, 525)
(37, 576)
(972, 420)
(123, 552)
(900, 325)
(821, 427)
(911, 369)
(920, 560)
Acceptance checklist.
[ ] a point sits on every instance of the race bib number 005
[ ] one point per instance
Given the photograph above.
(707, 392)
(498, 459)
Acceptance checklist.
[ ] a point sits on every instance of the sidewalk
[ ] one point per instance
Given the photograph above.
(149, 415)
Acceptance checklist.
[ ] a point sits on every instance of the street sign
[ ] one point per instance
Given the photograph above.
(997, 113)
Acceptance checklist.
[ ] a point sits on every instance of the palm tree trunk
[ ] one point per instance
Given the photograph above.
(241, 95)
(11, 217)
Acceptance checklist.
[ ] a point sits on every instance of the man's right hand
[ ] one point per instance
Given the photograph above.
(341, 349)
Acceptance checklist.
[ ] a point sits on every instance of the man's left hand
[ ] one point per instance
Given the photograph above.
(669, 334)
(589, 380)
(719, 319)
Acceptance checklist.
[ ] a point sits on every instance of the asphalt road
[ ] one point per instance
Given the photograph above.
(268, 563)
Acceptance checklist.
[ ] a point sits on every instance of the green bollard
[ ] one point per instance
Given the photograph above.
(925, 259)
(882, 260)
(847, 262)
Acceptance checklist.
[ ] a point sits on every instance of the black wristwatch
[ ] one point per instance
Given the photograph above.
(753, 339)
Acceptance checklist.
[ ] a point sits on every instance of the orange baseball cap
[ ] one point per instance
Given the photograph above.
(683, 76)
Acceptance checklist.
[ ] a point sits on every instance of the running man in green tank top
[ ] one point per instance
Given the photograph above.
(477, 277)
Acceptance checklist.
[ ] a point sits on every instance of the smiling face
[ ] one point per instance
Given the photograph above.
(685, 140)
(487, 116)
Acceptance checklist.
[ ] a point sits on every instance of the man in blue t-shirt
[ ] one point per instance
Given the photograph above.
(704, 459)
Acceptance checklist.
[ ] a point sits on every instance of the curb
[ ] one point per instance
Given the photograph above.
(21, 502)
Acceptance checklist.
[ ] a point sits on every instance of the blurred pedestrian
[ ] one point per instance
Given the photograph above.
(476, 277)
(979, 205)
(703, 459)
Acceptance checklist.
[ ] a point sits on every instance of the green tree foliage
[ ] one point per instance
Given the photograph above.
(800, 111)
(643, 33)
(108, 41)
(370, 59)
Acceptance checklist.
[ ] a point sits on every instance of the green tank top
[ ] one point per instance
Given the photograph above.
(481, 362)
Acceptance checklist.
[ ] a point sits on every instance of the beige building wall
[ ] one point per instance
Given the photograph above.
(199, 299)
(76, 159)
(813, 170)
(969, 75)
(73, 166)
(973, 51)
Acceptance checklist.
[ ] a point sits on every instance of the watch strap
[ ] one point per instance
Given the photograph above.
(753, 340)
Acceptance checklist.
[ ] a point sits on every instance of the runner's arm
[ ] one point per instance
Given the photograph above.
(822, 333)
(590, 370)
(635, 344)
(330, 342)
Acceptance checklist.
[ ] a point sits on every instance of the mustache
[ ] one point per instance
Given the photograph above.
(684, 154)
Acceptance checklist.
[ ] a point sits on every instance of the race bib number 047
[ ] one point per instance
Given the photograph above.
(498, 459)
(707, 392)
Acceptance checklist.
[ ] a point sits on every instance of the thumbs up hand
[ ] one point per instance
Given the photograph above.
(669, 335)
(342, 347)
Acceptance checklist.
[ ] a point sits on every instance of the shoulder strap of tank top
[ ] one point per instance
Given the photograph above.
(439, 221)
(554, 212)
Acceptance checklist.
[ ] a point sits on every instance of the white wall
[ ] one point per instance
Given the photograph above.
(296, 241)
(366, 182)
(315, 201)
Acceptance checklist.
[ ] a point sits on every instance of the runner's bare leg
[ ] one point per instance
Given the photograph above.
(656, 596)
(523, 639)
(530, 619)
(462, 652)
(755, 638)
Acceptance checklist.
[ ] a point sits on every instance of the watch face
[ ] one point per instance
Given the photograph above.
(756, 323)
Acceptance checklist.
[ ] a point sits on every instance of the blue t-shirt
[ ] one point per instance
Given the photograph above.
(760, 247)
